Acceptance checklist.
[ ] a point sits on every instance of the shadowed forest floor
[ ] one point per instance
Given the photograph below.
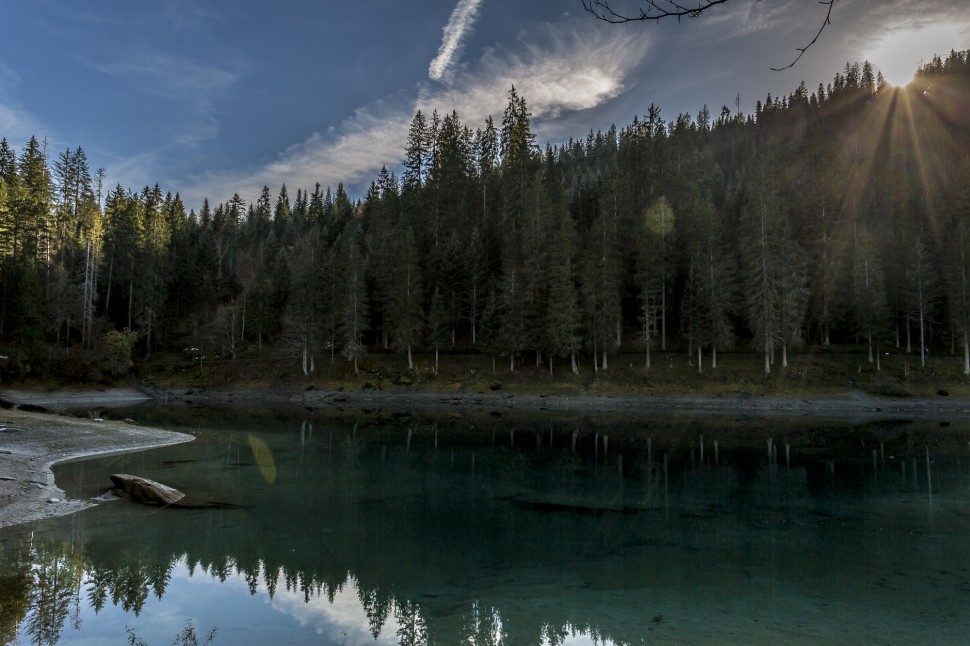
(817, 373)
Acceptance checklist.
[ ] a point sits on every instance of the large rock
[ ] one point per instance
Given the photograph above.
(144, 490)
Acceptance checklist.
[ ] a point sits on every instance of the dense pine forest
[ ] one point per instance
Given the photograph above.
(833, 215)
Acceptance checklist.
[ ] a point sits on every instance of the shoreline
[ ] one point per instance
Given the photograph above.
(853, 404)
(31, 443)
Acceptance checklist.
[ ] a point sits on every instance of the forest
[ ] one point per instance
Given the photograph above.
(833, 215)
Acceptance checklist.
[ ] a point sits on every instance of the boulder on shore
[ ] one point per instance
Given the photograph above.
(144, 490)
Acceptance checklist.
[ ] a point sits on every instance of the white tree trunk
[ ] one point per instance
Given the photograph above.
(700, 362)
(572, 359)
(966, 352)
(767, 361)
(713, 356)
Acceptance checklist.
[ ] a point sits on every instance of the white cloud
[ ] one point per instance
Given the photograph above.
(559, 69)
(17, 123)
(461, 20)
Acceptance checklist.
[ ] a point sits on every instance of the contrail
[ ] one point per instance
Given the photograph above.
(460, 21)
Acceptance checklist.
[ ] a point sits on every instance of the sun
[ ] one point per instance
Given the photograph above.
(898, 53)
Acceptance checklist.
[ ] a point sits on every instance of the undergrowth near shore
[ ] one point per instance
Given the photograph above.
(818, 372)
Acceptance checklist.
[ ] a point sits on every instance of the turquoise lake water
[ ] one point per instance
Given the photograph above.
(420, 528)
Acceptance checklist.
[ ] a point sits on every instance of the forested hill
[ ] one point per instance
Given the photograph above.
(839, 214)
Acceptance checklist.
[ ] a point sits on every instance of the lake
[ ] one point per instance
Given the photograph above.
(361, 527)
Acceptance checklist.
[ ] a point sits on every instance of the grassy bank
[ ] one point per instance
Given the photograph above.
(819, 372)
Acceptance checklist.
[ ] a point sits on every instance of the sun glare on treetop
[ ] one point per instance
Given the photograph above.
(898, 54)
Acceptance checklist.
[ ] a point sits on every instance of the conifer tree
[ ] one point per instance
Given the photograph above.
(352, 306)
(869, 295)
(921, 290)
(563, 316)
(404, 310)
(438, 324)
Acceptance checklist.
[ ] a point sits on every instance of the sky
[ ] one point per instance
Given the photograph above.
(209, 98)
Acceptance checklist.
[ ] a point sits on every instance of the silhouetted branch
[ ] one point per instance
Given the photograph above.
(657, 10)
(802, 50)
(654, 10)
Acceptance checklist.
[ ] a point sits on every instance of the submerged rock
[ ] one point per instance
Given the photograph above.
(144, 490)
(149, 492)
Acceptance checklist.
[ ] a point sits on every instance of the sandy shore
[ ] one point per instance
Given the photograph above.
(30, 443)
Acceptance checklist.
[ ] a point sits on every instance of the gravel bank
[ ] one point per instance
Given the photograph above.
(30, 443)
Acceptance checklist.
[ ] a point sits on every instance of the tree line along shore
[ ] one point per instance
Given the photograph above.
(834, 216)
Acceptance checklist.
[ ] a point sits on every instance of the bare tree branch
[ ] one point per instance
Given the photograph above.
(802, 50)
(657, 10)
(654, 10)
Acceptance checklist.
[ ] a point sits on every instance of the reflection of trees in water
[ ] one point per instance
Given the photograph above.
(40, 590)
(374, 481)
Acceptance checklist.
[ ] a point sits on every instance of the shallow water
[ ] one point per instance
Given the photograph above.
(360, 528)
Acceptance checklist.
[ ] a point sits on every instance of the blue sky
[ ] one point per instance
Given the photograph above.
(212, 97)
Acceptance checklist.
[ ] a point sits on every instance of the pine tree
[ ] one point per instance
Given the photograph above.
(351, 307)
(303, 322)
(563, 317)
(773, 267)
(601, 284)
(404, 310)
(921, 291)
(438, 324)
(32, 228)
(869, 294)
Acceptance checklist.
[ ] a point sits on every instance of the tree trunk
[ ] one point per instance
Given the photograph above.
(107, 297)
(550, 364)
(435, 359)
(511, 362)
(572, 359)
(713, 356)
(410, 358)
(784, 355)
(909, 337)
(605, 363)
(767, 361)
(966, 352)
(870, 345)
(922, 337)
(700, 363)
(131, 294)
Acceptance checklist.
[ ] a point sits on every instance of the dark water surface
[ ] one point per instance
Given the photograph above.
(359, 528)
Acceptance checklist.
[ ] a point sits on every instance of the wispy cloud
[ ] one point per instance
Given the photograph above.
(191, 88)
(461, 20)
(17, 123)
(560, 70)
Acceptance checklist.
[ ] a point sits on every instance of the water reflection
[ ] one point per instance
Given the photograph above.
(522, 531)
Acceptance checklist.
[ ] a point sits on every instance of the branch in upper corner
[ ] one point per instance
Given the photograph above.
(653, 10)
(802, 50)
(659, 9)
